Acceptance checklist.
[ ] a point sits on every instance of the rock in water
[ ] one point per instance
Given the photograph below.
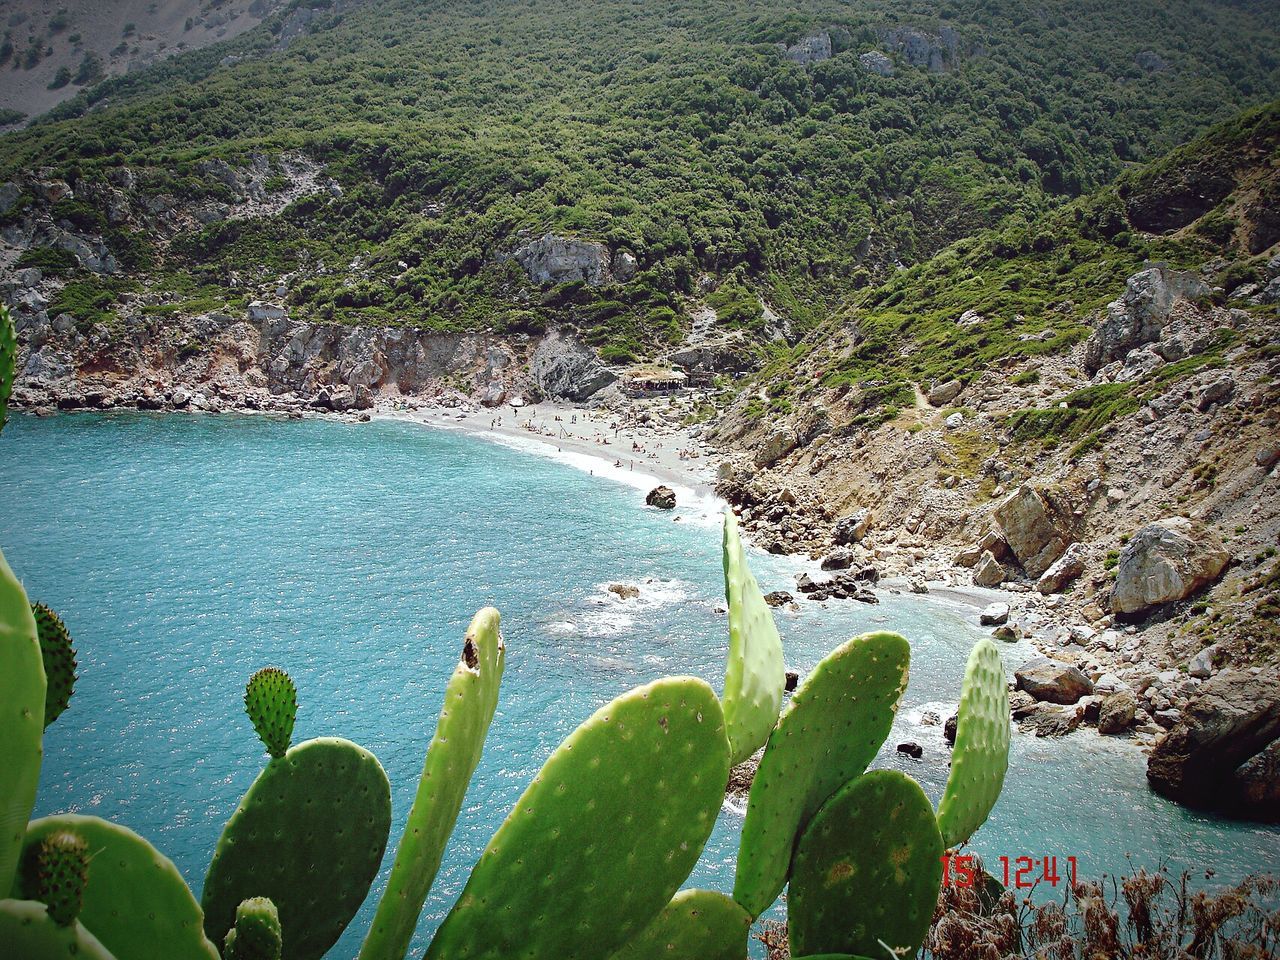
(1165, 561)
(911, 749)
(778, 598)
(994, 614)
(792, 681)
(662, 497)
(1052, 680)
(1034, 527)
(624, 591)
(1222, 752)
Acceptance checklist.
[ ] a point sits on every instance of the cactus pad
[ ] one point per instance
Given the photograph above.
(469, 702)
(59, 661)
(695, 925)
(271, 700)
(257, 934)
(309, 834)
(833, 728)
(604, 835)
(981, 753)
(55, 871)
(27, 932)
(135, 897)
(8, 361)
(754, 676)
(867, 870)
(22, 694)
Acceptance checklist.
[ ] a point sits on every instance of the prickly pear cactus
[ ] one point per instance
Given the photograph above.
(27, 932)
(309, 834)
(981, 753)
(604, 835)
(271, 700)
(754, 677)
(135, 898)
(8, 361)
(22, 696)
(867, 870)
(59, 660)
(834, 726)
(257, 934)
(697, 925)
(469, 702)
(55, 872)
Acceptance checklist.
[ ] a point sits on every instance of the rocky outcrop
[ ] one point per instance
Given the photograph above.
(1052, 680)
(1166, 561)
(935, 52)
(563, 367)
(846, 585)
(1138, 316)
(876, 62)
(662, 497)
(813, 48)
(555, 259)
(1035, 528)
(1222, 752)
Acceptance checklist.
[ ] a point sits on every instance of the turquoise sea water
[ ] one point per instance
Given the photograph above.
(185, 552)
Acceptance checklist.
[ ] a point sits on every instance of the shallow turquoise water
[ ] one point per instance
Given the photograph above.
(185, 552)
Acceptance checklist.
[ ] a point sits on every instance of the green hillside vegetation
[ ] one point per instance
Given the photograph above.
(676, 131)
(1036, 284)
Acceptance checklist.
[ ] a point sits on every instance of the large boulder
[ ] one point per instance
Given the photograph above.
(1052, 680)
(1035, 528)
(988, 572)
(1165, 561)
(563, 367)
(851, 529)
(1063, 570)
(1138, 315)
(1222, 751)
(662, 497)
(1117, 711)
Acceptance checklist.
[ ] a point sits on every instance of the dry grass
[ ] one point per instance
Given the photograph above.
(1143, 916)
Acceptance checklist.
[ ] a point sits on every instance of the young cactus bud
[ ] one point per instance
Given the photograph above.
(271, 700)
(58, 874)
(256, 935)
(59, 661)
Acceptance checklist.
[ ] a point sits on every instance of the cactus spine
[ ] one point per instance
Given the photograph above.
(22, 697)
(469, 703)
(257, 934)
(59, 660)
(754, 674)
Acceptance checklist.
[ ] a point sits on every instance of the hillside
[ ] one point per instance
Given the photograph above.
(724, 158)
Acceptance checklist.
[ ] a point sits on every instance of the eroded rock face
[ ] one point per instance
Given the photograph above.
(1222, 753)
(563, 367)
(553, 259)
(935, 52)
(1138, 315)
(1052, 680)
(1034, 527)
(1166, 561)
(877, 63)
(811, 49)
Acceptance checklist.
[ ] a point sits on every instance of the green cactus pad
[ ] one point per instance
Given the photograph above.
(604, 835)
(981, 753)
(22, 695)
(135, 897)
(55, 872)
(271, 700)
(469, 702)
(754, 677)
(257, 934)
(695, 925)
(867, 869)
(833, 727)
(59, 661)
(8, 361)
(27, 932)
(309, 834)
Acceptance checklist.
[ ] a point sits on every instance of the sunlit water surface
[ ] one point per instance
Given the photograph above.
(186, 552)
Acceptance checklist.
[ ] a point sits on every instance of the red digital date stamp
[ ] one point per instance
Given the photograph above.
(1022, 873)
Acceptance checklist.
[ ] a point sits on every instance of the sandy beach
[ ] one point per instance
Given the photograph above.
(601, 442)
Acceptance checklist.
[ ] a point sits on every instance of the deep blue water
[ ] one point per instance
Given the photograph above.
(185, 552)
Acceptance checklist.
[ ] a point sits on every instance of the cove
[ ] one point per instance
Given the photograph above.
(184, 552)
